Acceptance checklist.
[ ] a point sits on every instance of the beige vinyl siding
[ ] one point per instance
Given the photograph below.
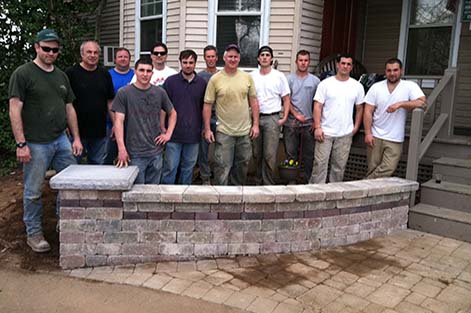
(463, 88)
(310, 30)
(109, 30)
(174, 27)
(281, 32)
(382, 33)
(196, 35)
(129, 30)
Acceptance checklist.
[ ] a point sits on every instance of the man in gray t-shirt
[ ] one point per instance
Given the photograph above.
(137, 124)
(297, 133)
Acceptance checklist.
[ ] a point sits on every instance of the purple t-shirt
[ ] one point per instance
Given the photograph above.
(188, 99)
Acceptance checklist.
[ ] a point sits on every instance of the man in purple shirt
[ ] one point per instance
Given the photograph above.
(186, 91)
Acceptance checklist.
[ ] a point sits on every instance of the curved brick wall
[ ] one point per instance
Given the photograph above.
(143, 223)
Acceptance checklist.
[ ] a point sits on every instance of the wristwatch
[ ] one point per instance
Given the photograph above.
(20, 144)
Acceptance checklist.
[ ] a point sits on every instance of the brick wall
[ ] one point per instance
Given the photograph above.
(155, 222)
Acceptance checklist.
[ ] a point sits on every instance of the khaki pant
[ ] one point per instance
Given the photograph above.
(383, 158)
(339, 148)
(265, 149)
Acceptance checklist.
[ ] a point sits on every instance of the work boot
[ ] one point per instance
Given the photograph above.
(205, 181)
(37, 243)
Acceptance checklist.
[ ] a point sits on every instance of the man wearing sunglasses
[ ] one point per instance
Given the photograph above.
(161, 71)
(40, 110)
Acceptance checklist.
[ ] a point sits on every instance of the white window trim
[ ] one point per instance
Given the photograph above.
(265, 7)
(137, 23)
(455, 33)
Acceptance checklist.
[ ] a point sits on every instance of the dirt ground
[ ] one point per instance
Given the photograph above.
(13, 249)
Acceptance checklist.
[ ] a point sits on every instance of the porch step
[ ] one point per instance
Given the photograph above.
(448, 195)
(440, 221)
(453, 170)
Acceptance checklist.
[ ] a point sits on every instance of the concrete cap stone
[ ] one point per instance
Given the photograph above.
(282, 193)
(229, 194)
(95, 177)
(200, 194)
(257, 194)
(142, 193)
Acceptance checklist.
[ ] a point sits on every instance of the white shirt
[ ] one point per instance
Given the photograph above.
(338, 99)
(390, 126)
(270, 89)
(158, 76)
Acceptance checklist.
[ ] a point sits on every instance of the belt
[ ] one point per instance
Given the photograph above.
(269, 114)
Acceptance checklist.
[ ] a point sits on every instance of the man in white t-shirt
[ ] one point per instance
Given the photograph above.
(333, 124)
(386, 106)
(161, 71)
(272, 89)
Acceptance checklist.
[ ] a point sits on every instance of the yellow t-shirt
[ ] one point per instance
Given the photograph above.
(230, 94)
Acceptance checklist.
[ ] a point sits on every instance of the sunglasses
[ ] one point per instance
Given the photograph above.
(49, 49)
(159, 53)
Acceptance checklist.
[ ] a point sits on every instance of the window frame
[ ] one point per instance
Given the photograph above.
(406, 26)
(264, 13)
(139, 19)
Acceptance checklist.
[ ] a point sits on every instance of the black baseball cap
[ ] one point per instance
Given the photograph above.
(265, 49)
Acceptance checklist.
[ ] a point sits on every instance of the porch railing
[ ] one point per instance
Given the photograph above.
(441, 128)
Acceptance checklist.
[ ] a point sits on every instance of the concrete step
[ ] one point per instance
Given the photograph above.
(440, 221)
(452, 170)
(445, 194)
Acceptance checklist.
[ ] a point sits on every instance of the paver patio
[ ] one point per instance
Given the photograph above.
(407, 272)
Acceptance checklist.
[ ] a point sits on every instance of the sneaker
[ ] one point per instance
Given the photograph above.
(205, 181)
(37, 243)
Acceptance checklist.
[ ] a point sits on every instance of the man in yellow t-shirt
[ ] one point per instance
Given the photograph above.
(232, 91)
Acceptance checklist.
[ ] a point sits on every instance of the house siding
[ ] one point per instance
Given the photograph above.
(310, 30)
(129, 26)
(196, 35)
(174, 29)
(381, 33)
(463, 88)
(109, 30)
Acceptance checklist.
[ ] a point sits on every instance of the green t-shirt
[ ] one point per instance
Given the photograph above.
(44, 96)
(230, 94)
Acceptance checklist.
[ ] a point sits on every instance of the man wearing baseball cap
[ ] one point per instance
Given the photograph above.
(273, 94)
(231, 91)
(40, 110)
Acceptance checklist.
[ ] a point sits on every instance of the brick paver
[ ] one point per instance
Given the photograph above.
(408, 271)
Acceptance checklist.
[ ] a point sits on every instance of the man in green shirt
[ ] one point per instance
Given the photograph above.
(40, 110)
(232, 92)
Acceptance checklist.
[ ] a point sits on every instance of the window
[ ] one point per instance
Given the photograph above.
(108, 55)
(151, 24)
(241, 22)
(429, 36)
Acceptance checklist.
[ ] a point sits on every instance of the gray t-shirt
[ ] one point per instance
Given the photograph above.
(142, 117)
(302, 95)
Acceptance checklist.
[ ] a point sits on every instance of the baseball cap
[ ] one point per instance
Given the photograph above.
(265, 49)
(232, 46)
(47, 35)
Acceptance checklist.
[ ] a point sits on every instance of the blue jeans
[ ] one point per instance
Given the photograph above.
(95, 150)
(150, 169)
(58, 153)
(111, 149)
(205, 170)
(179, 155)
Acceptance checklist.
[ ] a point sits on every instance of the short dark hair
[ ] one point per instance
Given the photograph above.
(394, 61)
(121, 49)
(159, 44)
(185, 54)
(344, 55)
(144, 60)
(303, 52)
(210, 48)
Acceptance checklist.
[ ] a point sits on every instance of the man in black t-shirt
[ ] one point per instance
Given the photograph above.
(40, 109)
(93, 88)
